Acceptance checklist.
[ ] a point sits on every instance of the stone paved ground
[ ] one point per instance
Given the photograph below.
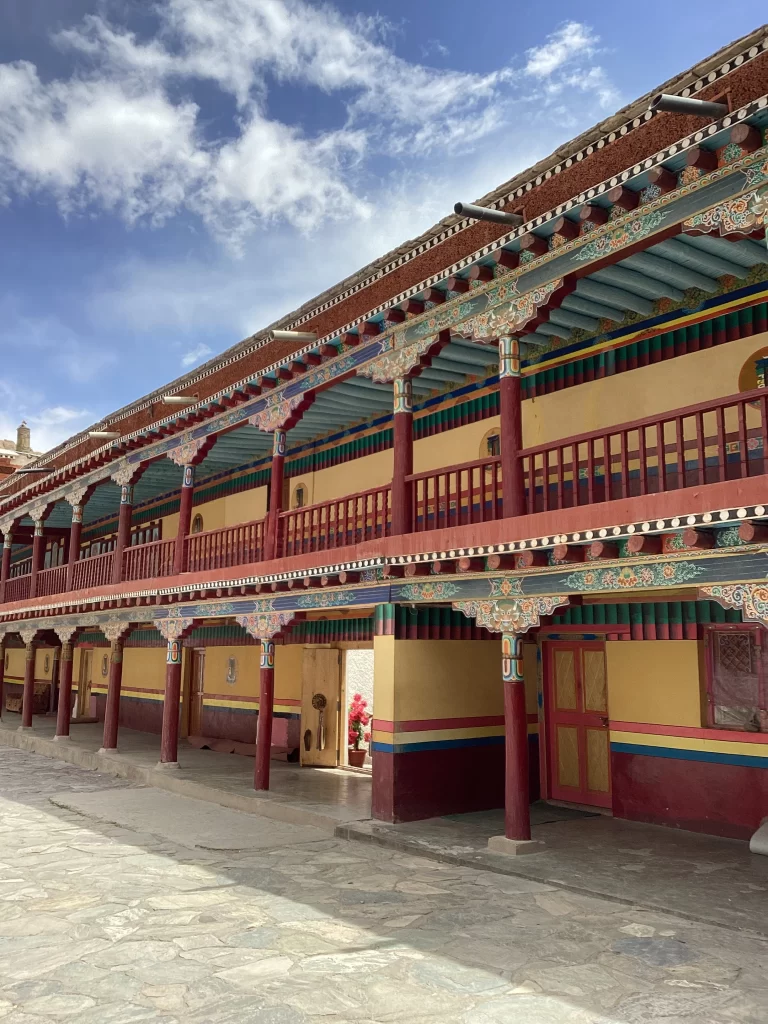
(100, 924)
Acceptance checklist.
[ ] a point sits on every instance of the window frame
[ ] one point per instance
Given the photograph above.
(761, 637)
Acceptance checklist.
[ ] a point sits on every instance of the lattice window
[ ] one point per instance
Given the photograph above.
(737, 689)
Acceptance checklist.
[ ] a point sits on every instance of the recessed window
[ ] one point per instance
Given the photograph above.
(197, 524)
(737, 683)
(299, 496)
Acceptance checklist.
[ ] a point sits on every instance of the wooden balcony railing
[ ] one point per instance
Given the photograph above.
(457, 495)
(725, 439)
(220, 549)
(95, 571)
(52, 581)
(721, 440)
(17, 588)
(335, 524)
(145, 561)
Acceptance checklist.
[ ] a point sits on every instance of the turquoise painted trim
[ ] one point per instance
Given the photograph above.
(678, 754)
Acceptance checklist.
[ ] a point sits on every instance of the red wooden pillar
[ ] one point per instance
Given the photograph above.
(73, 552)
(38, 555)
(169, 739)
(517, 811)
(185, 521)
(112, 711)
(123, 530)
(28, 694)
(64, 713)
(2, 674)
(271, 538)
(402, 519)
(264, 721)
(5, 566)
(511, 434)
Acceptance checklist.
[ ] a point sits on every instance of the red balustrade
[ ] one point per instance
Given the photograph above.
(337, 523)
(457, 495)
(722, 440)
(52, 581)
(17, 588)
(145, 561)
(95, 571)
(220, 549)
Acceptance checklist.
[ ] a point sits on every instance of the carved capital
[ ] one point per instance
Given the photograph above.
(265, 625)
(516, 616)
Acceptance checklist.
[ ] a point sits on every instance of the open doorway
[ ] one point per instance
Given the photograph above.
(358, 682)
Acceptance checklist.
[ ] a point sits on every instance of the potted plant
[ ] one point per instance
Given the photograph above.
(358, 719)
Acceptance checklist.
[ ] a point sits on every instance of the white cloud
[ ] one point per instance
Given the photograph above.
(48, 426)
(196, 355)
(120, 133)
(570, 40)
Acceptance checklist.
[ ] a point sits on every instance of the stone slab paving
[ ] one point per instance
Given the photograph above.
(701, 877)
(180, 819)
(102, 924)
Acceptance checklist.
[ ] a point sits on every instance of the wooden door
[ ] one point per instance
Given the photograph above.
(320, 707)
(83, 698)
(577, 723)
(196, 693)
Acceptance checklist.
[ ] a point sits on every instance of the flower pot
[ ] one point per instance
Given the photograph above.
(356, 758)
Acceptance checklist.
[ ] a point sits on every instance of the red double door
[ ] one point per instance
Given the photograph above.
(579, 762)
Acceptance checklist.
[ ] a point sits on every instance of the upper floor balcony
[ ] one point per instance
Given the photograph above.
(686, 448)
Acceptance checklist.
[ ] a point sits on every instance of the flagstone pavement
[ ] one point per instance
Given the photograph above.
(120, 904)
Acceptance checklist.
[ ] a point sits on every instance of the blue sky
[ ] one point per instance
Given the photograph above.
(175, 175)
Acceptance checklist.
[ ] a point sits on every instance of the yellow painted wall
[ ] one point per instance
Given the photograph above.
(144, 668)
(40, 656)
(452, 446)
(697, 377)
(289, 661)
(654, 681)
(288, 668)
(425, 679)
(16, 657)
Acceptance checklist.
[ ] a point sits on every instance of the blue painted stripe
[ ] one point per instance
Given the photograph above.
(679, 754)
(443, 744)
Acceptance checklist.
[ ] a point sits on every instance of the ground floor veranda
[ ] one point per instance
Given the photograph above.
(699, 877)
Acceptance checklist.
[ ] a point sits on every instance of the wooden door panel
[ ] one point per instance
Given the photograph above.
(565, 681)
(595, 689)
(196, 694)
(568, 757)
(577, 723)
(321, 693)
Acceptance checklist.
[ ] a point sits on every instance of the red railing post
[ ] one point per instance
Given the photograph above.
(185, 520)
(123, 530)
(403, 456)
(511, 435)
(5, 566)
(275, 496)
(38, 554)
(73, 553)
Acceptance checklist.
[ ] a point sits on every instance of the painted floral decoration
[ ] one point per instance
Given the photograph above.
(358, 719)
